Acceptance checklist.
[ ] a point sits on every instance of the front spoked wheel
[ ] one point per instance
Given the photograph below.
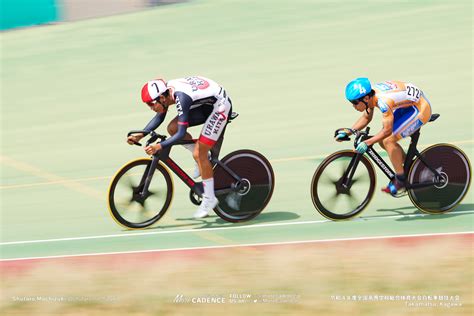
(331, 197)
(243, 200)
(442, 191)
(128, 206)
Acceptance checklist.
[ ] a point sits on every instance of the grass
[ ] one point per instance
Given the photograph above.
(314, 278)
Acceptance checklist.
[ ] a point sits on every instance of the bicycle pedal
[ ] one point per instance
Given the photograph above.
(400, 194)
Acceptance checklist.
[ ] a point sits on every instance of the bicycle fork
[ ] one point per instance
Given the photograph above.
(141, 193)
(345, 181)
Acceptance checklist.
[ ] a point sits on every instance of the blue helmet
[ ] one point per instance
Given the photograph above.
(358, 88)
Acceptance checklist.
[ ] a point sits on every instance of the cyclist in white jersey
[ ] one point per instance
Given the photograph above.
(198, 101)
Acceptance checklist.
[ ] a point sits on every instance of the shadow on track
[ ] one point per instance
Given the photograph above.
(409, 211)
(214, 221)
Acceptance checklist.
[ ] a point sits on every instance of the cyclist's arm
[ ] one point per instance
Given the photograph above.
(155, 122)
(183, 105)
(385, 105)
(364, 120)
(386, 131)
(152, 125)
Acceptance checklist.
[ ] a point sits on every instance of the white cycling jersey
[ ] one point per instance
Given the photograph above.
(191, 93)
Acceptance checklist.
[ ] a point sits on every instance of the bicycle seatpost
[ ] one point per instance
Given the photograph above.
(412, 151)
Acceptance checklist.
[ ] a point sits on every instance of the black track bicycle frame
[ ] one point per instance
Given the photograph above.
(164, 156)
(409, 159)
(346, 180)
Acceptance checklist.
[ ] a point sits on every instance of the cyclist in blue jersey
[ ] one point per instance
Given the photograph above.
(405, 109)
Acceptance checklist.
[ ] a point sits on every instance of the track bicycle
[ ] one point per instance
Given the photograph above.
(437, 179)
(141, 191)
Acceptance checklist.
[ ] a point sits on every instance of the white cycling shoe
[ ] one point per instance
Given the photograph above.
(206, 206)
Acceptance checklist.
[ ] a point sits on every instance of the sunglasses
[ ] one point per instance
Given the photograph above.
(355, 102)
(152, 103)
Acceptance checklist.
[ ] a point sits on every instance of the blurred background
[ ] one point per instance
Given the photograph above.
(24, 13)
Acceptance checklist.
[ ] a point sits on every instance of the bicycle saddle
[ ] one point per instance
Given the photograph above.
(433, 117)
(233, 116)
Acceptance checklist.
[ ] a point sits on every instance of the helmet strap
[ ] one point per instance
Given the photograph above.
(165, 107)
(366, 106)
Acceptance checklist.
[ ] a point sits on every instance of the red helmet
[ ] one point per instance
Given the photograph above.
(153, 89)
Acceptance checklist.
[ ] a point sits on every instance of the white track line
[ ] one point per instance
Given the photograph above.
(245, 245)
(196, 230)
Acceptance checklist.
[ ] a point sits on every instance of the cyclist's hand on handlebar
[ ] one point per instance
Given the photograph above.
(134, 139)
(152, 149)
(342, 134)
(361, 147)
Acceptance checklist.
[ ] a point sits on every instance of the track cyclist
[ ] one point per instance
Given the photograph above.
(404, 107)
(199, 101)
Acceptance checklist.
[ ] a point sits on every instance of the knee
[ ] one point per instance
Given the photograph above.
(381, 144)
(172, 129)
(196, 153)
(200, 153)
(388, 143)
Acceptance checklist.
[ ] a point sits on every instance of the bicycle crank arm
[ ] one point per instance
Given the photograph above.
(423, 184)
(223, 191)
(198, 188)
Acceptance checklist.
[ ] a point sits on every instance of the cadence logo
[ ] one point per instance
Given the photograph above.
(205, 299)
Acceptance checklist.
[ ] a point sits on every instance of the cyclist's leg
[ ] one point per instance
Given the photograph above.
(216, 149)
(201, 156)
(395, 152)
(421, 116)
(397, 157)
(197, 116)
(209, 200)
(173, 129)
(210, 134)
(402, 118)
(406, 122)
(381, 143)
(404, 125)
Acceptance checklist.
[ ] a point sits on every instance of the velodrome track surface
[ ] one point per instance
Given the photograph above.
(273, 226)
(70, 94)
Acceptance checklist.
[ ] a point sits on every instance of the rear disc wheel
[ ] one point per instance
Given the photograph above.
(245, 199)
(449, 188)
